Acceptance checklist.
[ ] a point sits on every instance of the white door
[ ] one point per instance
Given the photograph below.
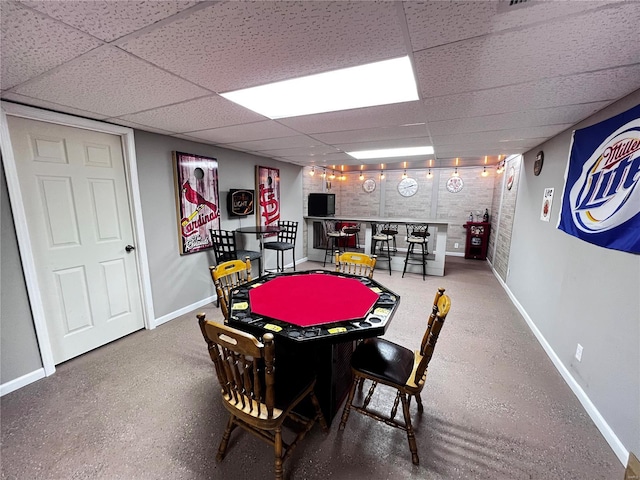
(77, 206)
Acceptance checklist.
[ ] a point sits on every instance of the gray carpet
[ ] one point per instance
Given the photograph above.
(148, 407)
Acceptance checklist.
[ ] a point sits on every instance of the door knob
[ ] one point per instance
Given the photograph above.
(128, 248)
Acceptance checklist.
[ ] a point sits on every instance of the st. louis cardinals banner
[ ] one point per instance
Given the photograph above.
(196, 200)
(268, 186)
(601, 199)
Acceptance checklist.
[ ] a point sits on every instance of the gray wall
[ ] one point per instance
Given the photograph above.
(19, 353)
(178, 281)
(576, 292)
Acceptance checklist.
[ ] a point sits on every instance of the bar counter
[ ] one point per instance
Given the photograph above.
(437, 241)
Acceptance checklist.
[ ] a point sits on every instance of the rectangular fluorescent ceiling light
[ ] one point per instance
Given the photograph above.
(392, 152)
(379, 83)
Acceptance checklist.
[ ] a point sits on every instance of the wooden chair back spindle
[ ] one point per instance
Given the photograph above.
(355, 263)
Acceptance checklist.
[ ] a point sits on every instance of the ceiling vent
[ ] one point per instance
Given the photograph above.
(511, 5)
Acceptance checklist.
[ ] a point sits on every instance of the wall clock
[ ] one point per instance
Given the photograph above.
(537, 165)
(369, 185)
(408, 187)
(455, 184)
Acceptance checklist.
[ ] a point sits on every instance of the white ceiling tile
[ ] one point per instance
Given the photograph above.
(534, 53)
(326, 159)
(146, 128)
(35, 102)
(110, 20)
(454, 21)
(308, 151)
(571, 115)
(371, 117)
(606, 86)
(270, 41)
(245, 132)
(32, 43)
(500, 136)
(199, 114)
(371, 134)
(276, 143)
(112, 82)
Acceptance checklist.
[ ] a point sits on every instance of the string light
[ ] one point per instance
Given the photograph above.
(381, 174)
(361, 177)
(333, 175)
(429, 174)
(455, 173)
(313, 171)
(404, 174)
(484, 172)
(324, 173)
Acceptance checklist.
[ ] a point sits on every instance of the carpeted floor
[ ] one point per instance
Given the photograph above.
(147, 406)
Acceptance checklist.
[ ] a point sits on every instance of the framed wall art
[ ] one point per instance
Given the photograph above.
(197, 200)
(268, 188)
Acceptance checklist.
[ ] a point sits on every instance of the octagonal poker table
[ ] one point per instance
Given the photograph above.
(313, 306)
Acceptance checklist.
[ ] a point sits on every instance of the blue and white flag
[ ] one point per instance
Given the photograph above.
(601, 199)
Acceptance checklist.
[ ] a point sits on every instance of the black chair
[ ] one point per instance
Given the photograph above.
(286, 241)
(417, 234)
(352, 230)
(225, 248)
(381, 239)
(390, 229)
(333, 238)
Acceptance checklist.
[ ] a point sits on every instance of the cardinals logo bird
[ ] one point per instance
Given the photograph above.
(194, 197)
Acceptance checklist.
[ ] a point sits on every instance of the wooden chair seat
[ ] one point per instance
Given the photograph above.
(390, 364)
(355, 263)
(226, 276)
(247, 377)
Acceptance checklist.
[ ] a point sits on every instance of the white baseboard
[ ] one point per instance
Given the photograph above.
(454, 254)
(21, 381)
(607, 432)
(183, 310)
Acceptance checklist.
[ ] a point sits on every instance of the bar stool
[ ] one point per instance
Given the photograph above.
(417, 234)
(392, 230)
(383, 239)
(334, 238)
(352, 230)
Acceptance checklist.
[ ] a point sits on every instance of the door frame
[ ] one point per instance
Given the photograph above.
(22, 232)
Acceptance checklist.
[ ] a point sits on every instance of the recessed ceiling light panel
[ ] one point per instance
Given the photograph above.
(379, 83)
(392, 152)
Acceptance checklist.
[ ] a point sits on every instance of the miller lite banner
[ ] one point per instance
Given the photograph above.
(601, 199)
(196, 179)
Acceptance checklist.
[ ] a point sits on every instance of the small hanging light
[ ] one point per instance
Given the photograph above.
(361, 177)
(429, 174)
(455, 173)
(333, 175)
(313, 171)
(484, 172)
(381, 174)
(404, 174)
(324, 173)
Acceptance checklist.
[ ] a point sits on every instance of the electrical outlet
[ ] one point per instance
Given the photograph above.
(456, 245)
(579, 353)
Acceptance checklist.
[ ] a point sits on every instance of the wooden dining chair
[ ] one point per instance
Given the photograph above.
(256, 402)
(227, 276)
(286, 241)
(355, 263)
(395, 366)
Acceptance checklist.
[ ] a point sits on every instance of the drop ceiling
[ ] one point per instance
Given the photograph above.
(493, 78)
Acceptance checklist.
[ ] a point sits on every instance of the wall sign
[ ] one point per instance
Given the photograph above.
(511, 177)
(268, 187)
(240, 202)
(196, 185)
(547, 201)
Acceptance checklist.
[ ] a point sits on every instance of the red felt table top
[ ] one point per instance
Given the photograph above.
(312, 299)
